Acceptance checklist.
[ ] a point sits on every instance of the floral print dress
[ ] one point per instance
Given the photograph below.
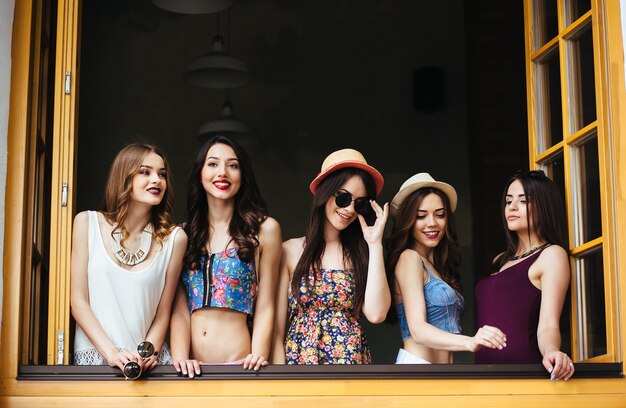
(323, 329)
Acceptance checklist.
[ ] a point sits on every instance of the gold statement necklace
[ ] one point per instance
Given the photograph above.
(132, 258)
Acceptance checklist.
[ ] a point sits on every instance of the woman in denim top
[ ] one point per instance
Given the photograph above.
(422, 263)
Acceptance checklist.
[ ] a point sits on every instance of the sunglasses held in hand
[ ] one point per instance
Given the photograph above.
(132, 369)
(361, 205)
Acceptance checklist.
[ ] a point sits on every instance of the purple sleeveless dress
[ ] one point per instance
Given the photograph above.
(510, 302)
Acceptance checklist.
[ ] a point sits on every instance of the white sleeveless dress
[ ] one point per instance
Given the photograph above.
(124, 302)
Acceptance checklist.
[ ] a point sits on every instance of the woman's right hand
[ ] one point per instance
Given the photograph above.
(119, 358)
(187, 367)
(487, 336)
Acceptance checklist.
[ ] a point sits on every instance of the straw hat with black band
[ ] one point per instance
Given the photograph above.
(421, 180)
(342, 159)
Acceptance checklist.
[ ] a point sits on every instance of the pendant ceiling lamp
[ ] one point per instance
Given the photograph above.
(193, 6)
(217, 69)
(228, 125)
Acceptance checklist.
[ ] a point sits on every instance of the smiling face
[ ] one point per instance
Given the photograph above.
(430, 224)
(221, 174)
(340, 218)
(149, 184)
(516, 208)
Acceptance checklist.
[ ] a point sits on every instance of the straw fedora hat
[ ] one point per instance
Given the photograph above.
(346, 158)
(418, 181)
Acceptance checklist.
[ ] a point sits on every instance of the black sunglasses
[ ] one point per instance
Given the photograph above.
(132, 369)
(361, 205)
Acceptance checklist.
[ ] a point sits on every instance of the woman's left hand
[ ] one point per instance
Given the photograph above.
(374, 234)
(148, 363)
(559, 365)
(253, 361)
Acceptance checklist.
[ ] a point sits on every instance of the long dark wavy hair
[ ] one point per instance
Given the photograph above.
(355, 250)
(250, 209)
(544, 206)
(446, 257)
(119, 185)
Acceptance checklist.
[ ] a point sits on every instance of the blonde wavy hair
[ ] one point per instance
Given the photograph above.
(117, 194)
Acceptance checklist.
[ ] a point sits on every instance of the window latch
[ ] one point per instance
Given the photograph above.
(64, 195)
(68, 82)
(60, 347)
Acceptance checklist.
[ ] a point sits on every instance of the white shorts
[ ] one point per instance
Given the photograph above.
(404, 357)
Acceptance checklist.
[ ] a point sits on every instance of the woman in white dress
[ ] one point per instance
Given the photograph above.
(126, 261)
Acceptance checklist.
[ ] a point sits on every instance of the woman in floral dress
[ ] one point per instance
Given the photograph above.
(335, 273)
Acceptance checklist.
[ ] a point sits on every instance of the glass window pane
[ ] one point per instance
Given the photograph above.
(582, 88)
(548, 94)
(555, 169)
(574, 9)
(545, 22)
(587, 213)
(592, 322)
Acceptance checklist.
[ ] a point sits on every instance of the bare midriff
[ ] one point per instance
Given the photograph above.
(219, 335)
(431, 355)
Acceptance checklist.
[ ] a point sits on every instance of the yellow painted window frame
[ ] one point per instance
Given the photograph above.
(596, 16)
(32, 209)
(19, 213)
(63, 174)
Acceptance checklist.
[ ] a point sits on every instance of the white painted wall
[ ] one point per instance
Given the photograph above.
(6, 29)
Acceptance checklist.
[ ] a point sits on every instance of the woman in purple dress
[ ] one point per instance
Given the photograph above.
(524, 294)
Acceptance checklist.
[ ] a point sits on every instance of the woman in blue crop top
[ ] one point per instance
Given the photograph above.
(422, 264)
(230, 267)
(335, 273)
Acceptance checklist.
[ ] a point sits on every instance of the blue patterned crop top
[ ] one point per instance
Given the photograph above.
(444, 306)
(233, 283)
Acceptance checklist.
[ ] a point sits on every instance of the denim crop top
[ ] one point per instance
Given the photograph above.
(444, 306)
(233, 282)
